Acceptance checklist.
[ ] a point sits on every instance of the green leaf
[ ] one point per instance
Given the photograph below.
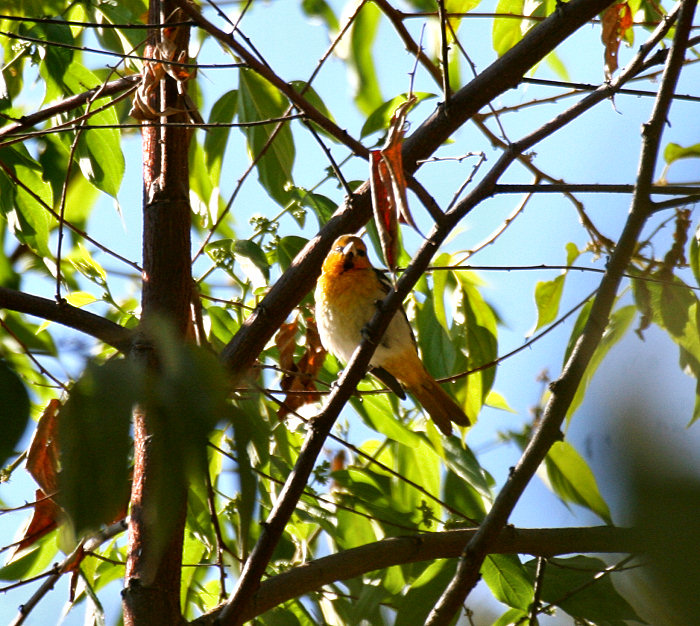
(620, 321)
(99, 149)
(94, 444)
(569, 583)
(440, 280)
(508, 580)
(33, 562)
(250, 250)
(573, 481)
(322, 206)
(379, 413)
(674, 307)
(695, 255)
(24, 206)
(259, 101)
(314, 99)
(245, 427)
(361, 62)
(353, 530)
(55, 58)
(288, 248)
(461, 460)
(547, 298)
(462, 497)
(320, 8)
(674, 152)
(507, 31)
(14, 411)
(380, 118)
(421, 465)
(223, 112)
(437, 349)
(223, 325)
(496, 401)
(479, 327)
(414, 606)
(512, 616)
(557, 65)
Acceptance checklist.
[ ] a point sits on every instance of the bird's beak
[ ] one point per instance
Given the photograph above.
(348, 256)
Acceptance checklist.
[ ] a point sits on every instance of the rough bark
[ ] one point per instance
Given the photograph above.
(152, 591)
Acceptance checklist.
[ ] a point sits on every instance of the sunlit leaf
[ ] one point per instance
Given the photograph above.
(573, 481)
(694, 255)
(24, 206)
(32, 563)
(496, 401)
(507, 31)
(99, 149)
(547, 298)
(361, 61)
(674, 152)
(620, 321)
(508, 580)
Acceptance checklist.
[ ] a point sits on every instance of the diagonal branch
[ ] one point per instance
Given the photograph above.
(564, 389)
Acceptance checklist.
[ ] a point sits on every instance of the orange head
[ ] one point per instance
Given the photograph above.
(348, 253)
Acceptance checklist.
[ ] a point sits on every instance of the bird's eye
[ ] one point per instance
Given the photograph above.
(361, 252)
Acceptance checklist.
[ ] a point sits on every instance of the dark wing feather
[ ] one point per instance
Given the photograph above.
(385, 377)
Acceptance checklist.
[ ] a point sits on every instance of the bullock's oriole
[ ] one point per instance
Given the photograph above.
(346, 295)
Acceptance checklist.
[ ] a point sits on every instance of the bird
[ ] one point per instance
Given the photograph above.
(347, 293)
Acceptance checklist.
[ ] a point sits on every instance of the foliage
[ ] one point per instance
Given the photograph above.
(67, 186)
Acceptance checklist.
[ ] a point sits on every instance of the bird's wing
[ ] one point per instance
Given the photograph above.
(385, 377)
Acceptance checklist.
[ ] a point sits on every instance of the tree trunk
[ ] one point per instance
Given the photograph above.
(152, 583)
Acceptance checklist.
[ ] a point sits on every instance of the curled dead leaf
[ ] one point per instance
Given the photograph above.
(616, 21)
(299, 378)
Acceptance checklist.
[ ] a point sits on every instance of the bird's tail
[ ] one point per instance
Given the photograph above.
(438, 403)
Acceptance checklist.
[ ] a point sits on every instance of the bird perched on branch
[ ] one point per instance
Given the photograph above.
(347, 294)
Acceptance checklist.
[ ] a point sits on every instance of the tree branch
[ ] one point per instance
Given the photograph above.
(63, 313)
(546, 542)
(661, 190)
(564, 389)
(505, 73)
(108, 89)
